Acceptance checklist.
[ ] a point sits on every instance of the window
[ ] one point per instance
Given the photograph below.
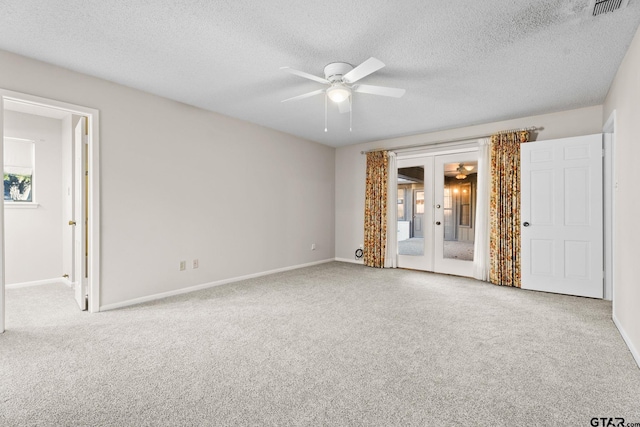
(419, 202)
(401, 205)
(465, 204)
(18, 170)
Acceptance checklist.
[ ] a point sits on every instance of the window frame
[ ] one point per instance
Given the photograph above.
(33, 203)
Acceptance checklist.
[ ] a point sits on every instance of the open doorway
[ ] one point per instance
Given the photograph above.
(50, 204)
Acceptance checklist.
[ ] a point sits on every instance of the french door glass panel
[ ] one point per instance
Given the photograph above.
(411, 205)
(457, 205)
(415, 213)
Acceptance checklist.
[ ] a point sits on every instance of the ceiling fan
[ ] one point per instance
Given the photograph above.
(341, 78)
(463, 170)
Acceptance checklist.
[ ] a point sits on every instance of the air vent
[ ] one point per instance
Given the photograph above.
(606, 6)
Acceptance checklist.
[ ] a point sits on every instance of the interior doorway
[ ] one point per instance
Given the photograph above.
(77, 195)
(436, 212)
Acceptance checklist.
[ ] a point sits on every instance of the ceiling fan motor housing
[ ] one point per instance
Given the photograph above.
(334, 71)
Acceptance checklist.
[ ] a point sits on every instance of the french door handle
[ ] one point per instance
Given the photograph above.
(437, 206)
(437, 222)
(526, 224)
(72, 223)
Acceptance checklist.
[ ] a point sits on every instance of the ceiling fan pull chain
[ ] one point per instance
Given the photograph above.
(325, 113)
(350, 112)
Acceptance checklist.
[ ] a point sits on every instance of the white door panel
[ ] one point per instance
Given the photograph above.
(544, 254)
(561, 197)
(542, 185)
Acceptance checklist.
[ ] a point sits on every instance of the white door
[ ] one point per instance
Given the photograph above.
(68, 241)
(79, 213)
(561, 213)
(454, 202)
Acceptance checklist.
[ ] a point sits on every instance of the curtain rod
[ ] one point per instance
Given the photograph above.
(448, 141)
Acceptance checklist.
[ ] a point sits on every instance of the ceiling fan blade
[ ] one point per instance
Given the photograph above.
(344, 106)
(305, 95)
(305, 75)
(367, 67)
(379, 90)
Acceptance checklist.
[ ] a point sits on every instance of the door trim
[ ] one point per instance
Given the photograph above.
(609, 194)
(94, 192)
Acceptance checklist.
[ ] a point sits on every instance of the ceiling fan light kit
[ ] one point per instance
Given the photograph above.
(338, 93)
(341, 76)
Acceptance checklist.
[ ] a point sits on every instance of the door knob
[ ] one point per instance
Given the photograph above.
(437, 222)
(526, 224)
(72, 223)
(437, 206)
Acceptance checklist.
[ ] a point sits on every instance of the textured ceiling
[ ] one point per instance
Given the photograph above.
(462, 62)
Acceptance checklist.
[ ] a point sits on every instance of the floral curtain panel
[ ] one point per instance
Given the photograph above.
(504, 240)
(375, 209)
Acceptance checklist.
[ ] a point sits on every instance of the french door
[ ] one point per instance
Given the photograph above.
(455, 203)
(436, 212)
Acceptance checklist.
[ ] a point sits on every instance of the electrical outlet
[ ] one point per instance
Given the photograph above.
(183, 265)
(196, 263)
(313, 246)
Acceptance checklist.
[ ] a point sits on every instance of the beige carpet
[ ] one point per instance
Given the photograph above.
(452, 249)
(335, 344)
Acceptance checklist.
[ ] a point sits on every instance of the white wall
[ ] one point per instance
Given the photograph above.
(179, 183)
(624, 98)
(351, 165)
(33, 237)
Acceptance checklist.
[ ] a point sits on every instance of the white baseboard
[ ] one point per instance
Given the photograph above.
(37, 283)
(352, 261)
(627, 340)
(161, 295)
